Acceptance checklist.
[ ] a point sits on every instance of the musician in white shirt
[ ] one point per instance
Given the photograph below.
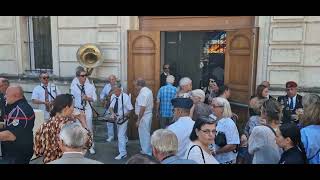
(84, 94)
(106, 91)
(120, 107)
(43, 99)
(143, 109)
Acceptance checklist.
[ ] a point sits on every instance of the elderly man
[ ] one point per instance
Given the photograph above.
(183, 124)
(4, 84)
(185, 88)
(44, 94)
(17, 135)
(165, 95)
(84, 94)
(120, 108)
(290, 103)
(143, 109)
(165, 146)
(72, 142)
(105, 98)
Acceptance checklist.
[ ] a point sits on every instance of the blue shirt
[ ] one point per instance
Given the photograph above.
(310, 136)
(165, 95)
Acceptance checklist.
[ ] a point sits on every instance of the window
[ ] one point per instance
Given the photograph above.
(39, 43)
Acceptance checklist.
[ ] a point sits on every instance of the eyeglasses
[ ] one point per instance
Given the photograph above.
(212, 81)
(47, 77)
(207, 131)
(214, 106)
(83, 75)
(166, 68)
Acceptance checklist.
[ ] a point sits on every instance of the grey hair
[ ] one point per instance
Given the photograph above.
(73, 135)
(141, 82)
(170, 79)
(309, 99)
(117, 85)
(79, 70)
(185, 81)
(227, 113)
(5, 81)
(165, 141)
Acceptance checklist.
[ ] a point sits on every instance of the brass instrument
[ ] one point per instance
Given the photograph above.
(89, 56)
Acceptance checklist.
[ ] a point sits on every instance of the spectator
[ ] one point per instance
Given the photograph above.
(72, 139)
(310, 134)
(165, 146)
(227, 131)
(164, 74)
(202, 135)
(289, 139)
(224, 92)
(199, 108)
(46, 143)
(142, 159)
(262, 141)
(165, 95)
(185, 88)
(17, 135)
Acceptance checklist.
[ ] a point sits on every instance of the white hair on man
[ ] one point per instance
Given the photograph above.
(227, 113)
(164, 141)
(199, 93)
(170, 79)
(185, 81)
(73, 135)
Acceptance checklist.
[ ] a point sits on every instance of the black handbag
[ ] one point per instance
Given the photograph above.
(220, 139)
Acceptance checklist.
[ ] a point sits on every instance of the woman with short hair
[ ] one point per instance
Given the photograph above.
(202, 135)
(227, 132)
(199, 108)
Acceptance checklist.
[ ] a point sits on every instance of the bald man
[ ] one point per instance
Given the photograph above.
(4, 84)
(17, 135)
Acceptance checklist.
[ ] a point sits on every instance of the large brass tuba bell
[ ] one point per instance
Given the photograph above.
(89, 56)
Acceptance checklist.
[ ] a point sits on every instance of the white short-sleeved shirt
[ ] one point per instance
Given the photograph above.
(127, 106)
(195, 154)
(230, 129)
(182, 128)
(90, 91)
(105, 91)
(145, 98)
(38, 93)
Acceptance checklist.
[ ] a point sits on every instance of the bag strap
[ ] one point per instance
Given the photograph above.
(274, 132)
(204, 161)
(48, 91)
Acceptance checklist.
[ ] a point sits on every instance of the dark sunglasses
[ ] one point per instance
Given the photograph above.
(166, 68)
(47, 77)
(83, 75)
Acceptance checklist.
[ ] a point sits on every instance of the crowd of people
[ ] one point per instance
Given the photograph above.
(197, 126)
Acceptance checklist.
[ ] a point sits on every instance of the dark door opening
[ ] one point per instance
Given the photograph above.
(195, 54)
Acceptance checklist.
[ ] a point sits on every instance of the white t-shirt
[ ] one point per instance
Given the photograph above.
(196, 155)
(230, 129)
(105, 91)
(182, 128)
(90, 91)
(38, 93)
(145, 98)
(126, 103)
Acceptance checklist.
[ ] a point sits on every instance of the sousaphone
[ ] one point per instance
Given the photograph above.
(89, 56)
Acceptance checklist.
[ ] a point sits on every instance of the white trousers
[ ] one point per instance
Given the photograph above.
(88, 113)
(110, 131)
(122, 138)
(144, 133)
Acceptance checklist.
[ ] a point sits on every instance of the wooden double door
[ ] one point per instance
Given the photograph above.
(240, 67)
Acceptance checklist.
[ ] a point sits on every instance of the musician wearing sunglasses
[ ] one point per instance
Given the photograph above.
(84, 94)
(44, 94)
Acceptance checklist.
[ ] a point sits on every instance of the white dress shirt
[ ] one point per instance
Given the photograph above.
(38, 93)
(90, 91)
(126, 103)
(145, 98)
(182, 128)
